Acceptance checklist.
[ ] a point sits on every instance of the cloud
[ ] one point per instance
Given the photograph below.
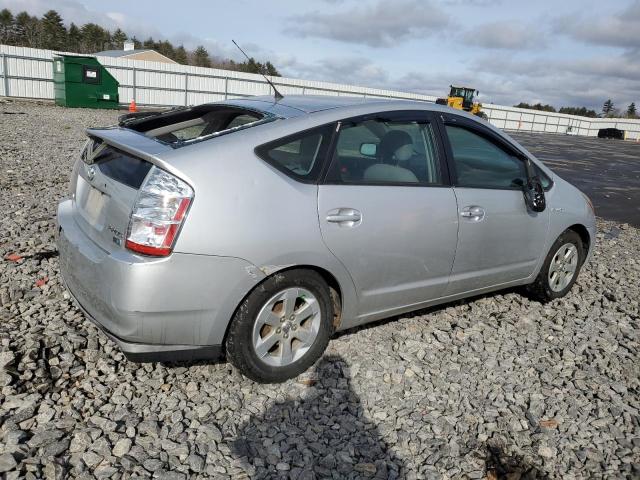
(587, 81)
(70, 10)
(510, 71)
(473, 3)
(509, 35)
(74, 11)
(354, 70)
(383, 24)
(621, 29)
(501, 79)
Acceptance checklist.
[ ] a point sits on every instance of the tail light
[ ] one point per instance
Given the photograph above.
(160, 209)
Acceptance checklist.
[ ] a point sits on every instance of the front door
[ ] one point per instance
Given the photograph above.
(500, 240)
(387, 213)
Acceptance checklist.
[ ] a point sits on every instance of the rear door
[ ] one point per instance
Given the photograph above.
(387, 212)
(500, 240)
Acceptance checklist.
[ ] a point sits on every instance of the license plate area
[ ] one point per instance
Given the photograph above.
(91, 203)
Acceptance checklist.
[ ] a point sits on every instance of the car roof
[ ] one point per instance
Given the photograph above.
(297, 105)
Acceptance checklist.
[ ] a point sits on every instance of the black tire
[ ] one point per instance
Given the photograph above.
(239, 343)
(541, 289)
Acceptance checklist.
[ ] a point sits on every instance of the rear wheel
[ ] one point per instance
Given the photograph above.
(560, 269)
(282, 327)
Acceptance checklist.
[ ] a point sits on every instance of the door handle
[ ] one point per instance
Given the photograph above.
(473, 213)
(344, 216)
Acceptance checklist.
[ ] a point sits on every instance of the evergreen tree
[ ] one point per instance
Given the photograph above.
(537, 106)
(49, 32)
(74, 38)
(181, 55)
(582, 111)
(608, 107)
(27, 30)
(166, 49)
(7, 28)
(251, 66)
(271, 70)
(117, 39)
(94, 38)
(149, 43)
(631, 110)
(54, 33)
(200, 57)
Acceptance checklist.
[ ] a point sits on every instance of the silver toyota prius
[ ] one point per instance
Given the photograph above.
(257, 228)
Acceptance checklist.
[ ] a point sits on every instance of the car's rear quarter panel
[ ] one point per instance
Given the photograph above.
(245, 208)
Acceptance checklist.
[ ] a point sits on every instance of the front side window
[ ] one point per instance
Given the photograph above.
(375, 152)
(301, 155)
(481, 163)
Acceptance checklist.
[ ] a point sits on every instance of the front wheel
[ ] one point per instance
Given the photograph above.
(282, 327)
(560, 269)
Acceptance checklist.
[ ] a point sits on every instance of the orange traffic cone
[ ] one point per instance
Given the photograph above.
(132, 106)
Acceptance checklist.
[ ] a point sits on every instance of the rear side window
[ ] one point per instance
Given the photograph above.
(122, 167)
(481, 163)
(300, 156)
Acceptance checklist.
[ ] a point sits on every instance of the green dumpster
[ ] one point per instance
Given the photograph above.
(82, 82)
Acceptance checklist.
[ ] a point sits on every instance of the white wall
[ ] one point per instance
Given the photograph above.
(27, 72)
(522, 119)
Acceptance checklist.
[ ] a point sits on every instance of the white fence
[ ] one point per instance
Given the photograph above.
(522, 119)
(27, 72)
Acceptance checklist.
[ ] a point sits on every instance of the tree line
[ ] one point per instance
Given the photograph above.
(49, 32)
(608, 110)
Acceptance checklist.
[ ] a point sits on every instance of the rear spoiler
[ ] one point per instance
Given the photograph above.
(131, 142)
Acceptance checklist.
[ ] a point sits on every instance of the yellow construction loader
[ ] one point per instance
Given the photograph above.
(461, 98)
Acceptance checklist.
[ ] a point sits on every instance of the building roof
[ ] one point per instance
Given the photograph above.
(137, 54)
(123, 53)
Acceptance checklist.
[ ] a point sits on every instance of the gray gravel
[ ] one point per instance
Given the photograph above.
(494, 387)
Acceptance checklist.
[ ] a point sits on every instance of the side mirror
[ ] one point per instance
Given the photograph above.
(534, 194)
(368, 149)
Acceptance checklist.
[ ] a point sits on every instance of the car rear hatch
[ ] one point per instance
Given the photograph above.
(116, 160)
(106, 182)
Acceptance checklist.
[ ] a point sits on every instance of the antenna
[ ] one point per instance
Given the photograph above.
(277, 94)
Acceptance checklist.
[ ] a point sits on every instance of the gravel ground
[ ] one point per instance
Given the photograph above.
(494, 387)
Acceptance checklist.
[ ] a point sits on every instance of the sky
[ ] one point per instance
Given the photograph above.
(561, 52)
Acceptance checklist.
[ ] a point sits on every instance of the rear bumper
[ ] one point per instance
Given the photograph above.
(147, 352)
(156, 309)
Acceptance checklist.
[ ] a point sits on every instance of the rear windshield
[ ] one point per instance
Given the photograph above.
(122, 167)
(187, 125)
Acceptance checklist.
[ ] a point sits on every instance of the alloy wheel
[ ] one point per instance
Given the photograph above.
(286, 327)
(563, 267)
